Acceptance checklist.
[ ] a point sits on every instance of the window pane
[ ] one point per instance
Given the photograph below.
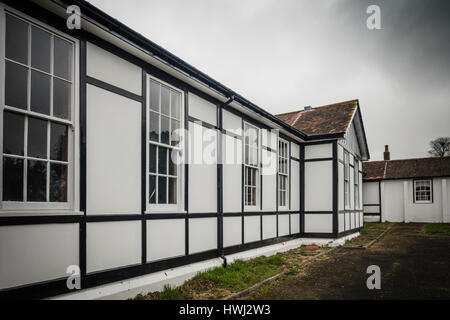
(62, 58)
(162, 160)
(162, 185)
(165, 100)
(154, 126)
(37, 138)
(175, 105)
(16, 39)
(154, 96)
(58, 182)
(16, 80)
(12, 179)
(172, 190)
(152, 189)
(13, 133)
(40, 49)
(165, 136)
(152, 158)
(61, 98)
(173, 158)
(40, 92)
(36, 181)
(58, 142)
(174, 136)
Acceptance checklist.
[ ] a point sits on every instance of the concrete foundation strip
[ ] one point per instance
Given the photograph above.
(273, 278)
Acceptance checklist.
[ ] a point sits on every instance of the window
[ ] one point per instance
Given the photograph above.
(38, 117)
(346, 180)
(283, 172)
(165, 147)
(423, 190)
(356, 182)
(251, 165)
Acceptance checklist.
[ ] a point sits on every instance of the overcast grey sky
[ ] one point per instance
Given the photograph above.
(286, 54)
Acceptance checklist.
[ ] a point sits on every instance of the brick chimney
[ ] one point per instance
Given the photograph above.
(387, 154)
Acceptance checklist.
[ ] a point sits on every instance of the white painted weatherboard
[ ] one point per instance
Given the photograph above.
(112, 244)
(165, 238)
(318, 186)
(201, 109)
(202, 234)
(295, 150)
(109, 68)
(35, 253)
(231, 122)
(113, 153)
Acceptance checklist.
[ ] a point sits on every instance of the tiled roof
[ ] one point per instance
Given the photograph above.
(407, 168)
(329, 119)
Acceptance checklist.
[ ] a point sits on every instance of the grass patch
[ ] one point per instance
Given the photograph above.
(441, 228)
(220, 282)
(369, 232)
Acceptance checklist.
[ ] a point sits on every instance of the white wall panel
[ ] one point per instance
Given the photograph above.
(352, 189)
(283, 225)
(112, 244)
(371, 192)
(231, 122)
(340, 186)
(202, 169)
(252, 229)
(269, 139)
(318, 223)
(295, 185)
(319, 151)
(35, 253)
(340, 152)
(352, 220)
(109, 68)
(424, 212)
(165, 238)
(232, 174)
(232, 231)
(113, 153)
(341, 223)
(202, 234)
(269, 180)
(295, 223)
(347, 221)
(392, 200)
(295, 150)
(318, 186)
(269, 226)
(201, 109)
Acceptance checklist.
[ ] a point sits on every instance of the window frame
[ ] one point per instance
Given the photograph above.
(254, 207)
(166, 207)
(346, 179)
(71, 206)
(430, 181)
(356, 183)
(286, 175)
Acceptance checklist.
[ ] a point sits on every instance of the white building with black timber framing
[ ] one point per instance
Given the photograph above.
(122, 159)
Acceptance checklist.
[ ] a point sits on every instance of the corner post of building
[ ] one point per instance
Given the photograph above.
(302, 189)
(335, 189)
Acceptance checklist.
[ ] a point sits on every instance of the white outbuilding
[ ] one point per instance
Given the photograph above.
(407, 190)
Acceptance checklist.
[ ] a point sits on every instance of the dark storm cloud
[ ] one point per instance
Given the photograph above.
(286, 54)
